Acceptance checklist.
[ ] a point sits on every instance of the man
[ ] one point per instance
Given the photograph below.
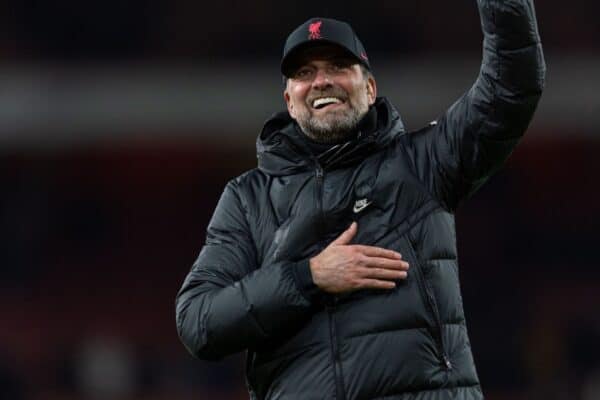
(333, 264)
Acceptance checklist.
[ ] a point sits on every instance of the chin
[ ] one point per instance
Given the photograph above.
(333, 117)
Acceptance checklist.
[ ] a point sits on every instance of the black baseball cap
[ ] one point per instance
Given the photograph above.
(322, 31)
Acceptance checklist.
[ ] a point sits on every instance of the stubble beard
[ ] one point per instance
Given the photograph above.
(335, 126)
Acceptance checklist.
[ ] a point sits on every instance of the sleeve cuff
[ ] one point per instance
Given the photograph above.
(304, 281)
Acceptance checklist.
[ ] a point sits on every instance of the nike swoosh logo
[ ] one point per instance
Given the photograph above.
(361, 205)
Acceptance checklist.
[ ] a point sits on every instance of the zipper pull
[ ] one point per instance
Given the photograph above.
(447, 362)
(319, 173)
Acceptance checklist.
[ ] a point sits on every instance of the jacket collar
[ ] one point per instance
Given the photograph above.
(282, 149)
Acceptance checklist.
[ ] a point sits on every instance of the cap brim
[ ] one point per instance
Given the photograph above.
(290, 61)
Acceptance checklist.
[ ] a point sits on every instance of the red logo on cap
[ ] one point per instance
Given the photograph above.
(314, 30)
(364, 56)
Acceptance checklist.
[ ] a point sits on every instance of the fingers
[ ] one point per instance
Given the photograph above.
(373, 251)
(386, 263)
(385, 274)
(346, 236)
(376, 284)
(377, 278)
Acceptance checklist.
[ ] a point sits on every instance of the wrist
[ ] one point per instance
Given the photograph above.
(303, 275)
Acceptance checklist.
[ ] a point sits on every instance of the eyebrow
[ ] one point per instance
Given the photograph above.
(304, 61)
(320, 54)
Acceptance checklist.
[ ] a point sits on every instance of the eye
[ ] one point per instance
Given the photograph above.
(302, 73)
(340, 65)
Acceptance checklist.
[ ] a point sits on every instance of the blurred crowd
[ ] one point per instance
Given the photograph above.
(191, 31)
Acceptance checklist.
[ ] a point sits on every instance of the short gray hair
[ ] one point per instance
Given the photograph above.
(366, 71)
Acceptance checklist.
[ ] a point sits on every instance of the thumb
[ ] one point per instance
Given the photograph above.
(346, 236)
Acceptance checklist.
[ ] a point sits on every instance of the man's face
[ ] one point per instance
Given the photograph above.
(327, 93)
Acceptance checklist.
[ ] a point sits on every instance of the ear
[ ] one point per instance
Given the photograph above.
(371, 89)
(288, 102)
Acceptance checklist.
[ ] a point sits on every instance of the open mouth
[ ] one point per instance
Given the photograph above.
(323, 102)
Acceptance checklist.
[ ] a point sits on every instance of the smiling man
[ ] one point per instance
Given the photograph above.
(333, 264)
(328, 91)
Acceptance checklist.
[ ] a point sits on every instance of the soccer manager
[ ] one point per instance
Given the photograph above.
(333, 263)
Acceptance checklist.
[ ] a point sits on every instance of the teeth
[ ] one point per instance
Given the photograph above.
(325, 101)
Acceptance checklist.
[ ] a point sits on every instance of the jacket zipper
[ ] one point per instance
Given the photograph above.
(430, 302)
(330, 307)
(320, 176)
(340, 393)
(249, 361)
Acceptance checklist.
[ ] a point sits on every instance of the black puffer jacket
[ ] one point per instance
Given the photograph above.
(250, 288)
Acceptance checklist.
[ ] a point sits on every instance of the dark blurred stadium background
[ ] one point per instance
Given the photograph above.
(121, 121)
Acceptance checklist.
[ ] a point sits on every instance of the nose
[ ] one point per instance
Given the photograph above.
(322, 79)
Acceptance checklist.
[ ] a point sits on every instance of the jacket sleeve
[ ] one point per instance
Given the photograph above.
(457, 153)
(227, 304)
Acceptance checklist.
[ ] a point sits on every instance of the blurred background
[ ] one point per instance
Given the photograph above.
(121, 121)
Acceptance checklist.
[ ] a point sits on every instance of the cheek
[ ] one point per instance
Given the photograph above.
(297, 102)
(298, 95)
(359, 92)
